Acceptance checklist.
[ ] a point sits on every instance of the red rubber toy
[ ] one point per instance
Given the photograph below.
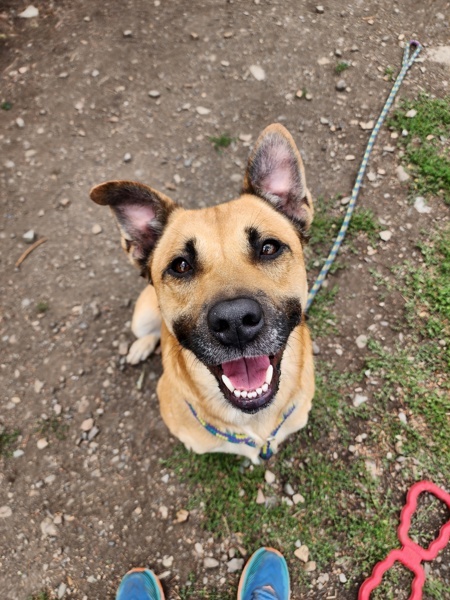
(411, 554)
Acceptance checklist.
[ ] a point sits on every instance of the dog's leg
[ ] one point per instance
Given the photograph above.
(146, 326)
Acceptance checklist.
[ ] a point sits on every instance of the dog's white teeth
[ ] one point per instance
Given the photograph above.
(252, 395)
(228, 383)
(265, 387)
(269, 374)
(259, 391)
(237, 393)
(244, 394)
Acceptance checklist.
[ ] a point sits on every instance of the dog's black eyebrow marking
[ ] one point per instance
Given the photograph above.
(190, 252)
(254, 238)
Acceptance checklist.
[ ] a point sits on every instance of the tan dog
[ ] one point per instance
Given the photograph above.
(227, 297)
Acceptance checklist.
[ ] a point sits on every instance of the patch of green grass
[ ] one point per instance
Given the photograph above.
(389, 73)
(426, 147)
(222, 141)
(7, 440)
(6, 105)
(40, 596)
(363, 220)
(53, 426)
(341, 67)
(321, 319)
(42, 306)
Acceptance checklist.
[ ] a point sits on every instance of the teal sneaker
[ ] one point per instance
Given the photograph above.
(140, 584)
(265, 577)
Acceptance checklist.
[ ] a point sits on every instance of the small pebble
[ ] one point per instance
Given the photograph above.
(269, 477)
(210, 563)
(127, 157)
(341, 85)
(29, 13)
(342, 578)
(288, 489)
(359, 399)
(320, 9)
(361, 341)
(182, 516)
(298, 499)
(310, 566)
(42, 443)
(96, 229)
(385, 235)
(421, 206)
(154, 94)
(302, 553)
(29, 236)
(234, 565)
(127, 33)
(260, 498)
(402, 175)
(20, 123)
(87, 424)
(411, 113)
(201, 110)
(258, 72)
(5, 512)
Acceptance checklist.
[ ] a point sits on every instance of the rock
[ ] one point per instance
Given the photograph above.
(18, 453)
(91, 579)
(48, 528)
(308, 96)
(123, 348)
(20, 123)
(402, 175)
(342, 578)
(258, 72)
(302, 553)
(29, 13)
(367, 126)
(260, 498)
(346, 200)
(87, 425)
(201, 110)
(228, 34)
(350, 157)
(127, 157)
(316, 349)
(288, 489)
(341, 85)
(320, 9)
(411, 113)
(127, 33)
(29, 236)
(269, 477)
(245, 137)
(96, 229)
(154, 94)
(371, 176)
(210, 563)
(167, 562)
(198, 549)
(62, 590)
(164, 512)
(385, 235)
(182, 516)
(5, 512)
(402, 417)
(42, 444)
(310, 566)
(298, 499)
(359, 399)
(234, 565)
(93, 433)
(361, 341)
(323, 61)
(64, 202)
(421, 206)
(95, 73)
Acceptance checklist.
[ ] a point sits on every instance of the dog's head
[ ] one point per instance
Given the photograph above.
(230, 279)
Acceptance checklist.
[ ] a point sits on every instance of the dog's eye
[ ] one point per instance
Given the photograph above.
(270, 248)
(180, 266)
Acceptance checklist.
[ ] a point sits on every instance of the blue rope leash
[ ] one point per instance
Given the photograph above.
(408, 60)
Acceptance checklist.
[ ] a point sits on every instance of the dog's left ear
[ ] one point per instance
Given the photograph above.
(275, 173)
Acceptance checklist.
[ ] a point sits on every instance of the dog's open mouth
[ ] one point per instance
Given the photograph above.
(249, 383)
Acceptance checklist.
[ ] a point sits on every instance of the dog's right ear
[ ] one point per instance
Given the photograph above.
(141, 214)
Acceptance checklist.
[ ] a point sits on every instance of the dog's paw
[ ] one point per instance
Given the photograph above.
(141, 349)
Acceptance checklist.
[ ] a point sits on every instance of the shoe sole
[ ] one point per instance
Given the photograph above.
(153, 577)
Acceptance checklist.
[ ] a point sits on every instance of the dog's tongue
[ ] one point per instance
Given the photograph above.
(247, 373)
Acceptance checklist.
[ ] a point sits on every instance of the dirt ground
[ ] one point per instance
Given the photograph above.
(78, 77)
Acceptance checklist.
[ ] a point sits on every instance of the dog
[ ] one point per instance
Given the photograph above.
(226, 296)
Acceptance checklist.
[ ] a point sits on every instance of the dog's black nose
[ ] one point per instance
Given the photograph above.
(236, 322)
